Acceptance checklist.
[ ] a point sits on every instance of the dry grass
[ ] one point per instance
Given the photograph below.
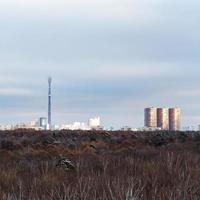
(122, 166)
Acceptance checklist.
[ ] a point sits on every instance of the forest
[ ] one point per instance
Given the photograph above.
(107, 165)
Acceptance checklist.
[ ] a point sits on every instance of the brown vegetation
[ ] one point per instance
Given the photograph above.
(109, 165)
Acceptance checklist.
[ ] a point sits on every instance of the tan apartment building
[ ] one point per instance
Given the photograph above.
(150, 120)
(163, 118)
(174, 119)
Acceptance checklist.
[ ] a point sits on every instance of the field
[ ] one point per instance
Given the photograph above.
(108, 165)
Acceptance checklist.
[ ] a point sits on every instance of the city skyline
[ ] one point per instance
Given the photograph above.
(108, 58)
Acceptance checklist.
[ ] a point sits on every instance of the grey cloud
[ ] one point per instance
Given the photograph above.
(108, 65)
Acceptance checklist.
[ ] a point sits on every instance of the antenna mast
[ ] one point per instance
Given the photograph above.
(49, 102)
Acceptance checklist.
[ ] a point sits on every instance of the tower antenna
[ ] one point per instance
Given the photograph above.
(49, 102)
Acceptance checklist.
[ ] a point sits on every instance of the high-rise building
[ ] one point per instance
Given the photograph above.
(174, 119)
(163, 118)
(150, 117)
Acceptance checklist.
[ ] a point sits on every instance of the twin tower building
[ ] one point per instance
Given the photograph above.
(163, 118)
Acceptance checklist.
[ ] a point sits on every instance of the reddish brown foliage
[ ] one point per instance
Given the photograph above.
(109, 166)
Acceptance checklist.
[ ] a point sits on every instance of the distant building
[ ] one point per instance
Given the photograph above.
(6, 127)
(163, 118)
(42, 122)
(148, 129)
(94, 123)
(174, 119)
(150, 120)
(75, 126)
(29, 125)
(189, 128)
(126, 128)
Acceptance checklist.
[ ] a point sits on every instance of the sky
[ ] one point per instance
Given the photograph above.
(107, 58)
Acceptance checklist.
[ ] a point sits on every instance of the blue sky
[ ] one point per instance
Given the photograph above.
(110, 58)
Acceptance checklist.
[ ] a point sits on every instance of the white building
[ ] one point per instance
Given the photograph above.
(94, 122)
(75, 126)
(29, 125)
(6, 127)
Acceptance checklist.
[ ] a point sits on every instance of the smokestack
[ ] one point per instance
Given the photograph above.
(49, 103)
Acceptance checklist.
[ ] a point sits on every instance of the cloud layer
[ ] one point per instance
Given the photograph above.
(110, 58)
